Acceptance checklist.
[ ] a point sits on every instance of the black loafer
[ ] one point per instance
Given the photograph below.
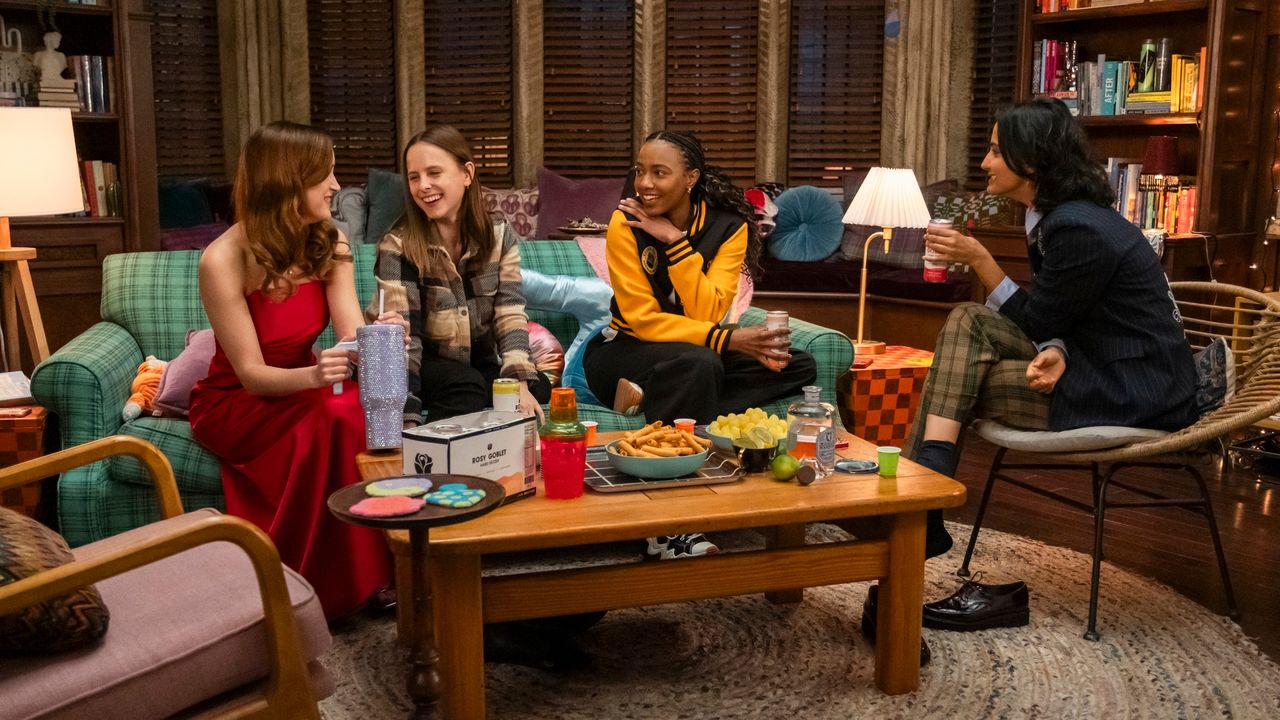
(976, 606)
(869, 625)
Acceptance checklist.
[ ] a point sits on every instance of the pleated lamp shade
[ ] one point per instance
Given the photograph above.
(889, 197)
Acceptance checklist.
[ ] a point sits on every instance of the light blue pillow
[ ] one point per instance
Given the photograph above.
(585, 298)
(809, 225)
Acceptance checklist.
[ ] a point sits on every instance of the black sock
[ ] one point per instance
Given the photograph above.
(940, 457)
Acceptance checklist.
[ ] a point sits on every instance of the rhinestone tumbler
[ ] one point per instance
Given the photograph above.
(383, 384)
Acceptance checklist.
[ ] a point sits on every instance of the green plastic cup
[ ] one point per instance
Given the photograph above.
(888, 458)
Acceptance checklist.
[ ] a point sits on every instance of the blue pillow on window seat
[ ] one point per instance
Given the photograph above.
(808, 225)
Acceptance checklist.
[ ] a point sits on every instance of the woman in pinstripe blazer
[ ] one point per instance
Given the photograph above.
(1097, 340)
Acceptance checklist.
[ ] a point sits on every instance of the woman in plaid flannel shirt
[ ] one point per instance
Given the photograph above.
(455, 274)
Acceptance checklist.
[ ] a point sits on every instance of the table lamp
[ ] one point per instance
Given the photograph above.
(1160, 158)
(39, 175)
(888, 198)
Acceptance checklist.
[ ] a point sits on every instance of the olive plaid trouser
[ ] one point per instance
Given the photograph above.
(980, 370)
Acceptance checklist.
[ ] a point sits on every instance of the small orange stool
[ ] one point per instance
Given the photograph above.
(879, 402)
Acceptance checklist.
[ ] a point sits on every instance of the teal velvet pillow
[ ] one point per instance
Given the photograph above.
(384, 196)
(809, 225)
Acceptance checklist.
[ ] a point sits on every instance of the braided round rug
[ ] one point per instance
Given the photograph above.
(1161, 655)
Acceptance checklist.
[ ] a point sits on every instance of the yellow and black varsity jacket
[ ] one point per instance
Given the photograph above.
(679, 292)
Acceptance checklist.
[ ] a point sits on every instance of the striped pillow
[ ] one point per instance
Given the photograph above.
(78, 618)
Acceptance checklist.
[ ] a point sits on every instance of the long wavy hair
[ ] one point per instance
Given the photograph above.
(716, 188)
(278, 164)
(1040, 141)
(475, 228)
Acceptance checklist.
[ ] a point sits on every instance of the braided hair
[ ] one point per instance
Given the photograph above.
(716, 188)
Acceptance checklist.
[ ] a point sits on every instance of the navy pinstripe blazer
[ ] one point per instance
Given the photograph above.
(1100, 288)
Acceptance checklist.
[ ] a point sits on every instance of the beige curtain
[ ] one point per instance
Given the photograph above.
(411, 91)
(527, 112)
(927, 88)
(649, 73)
(264, 67)
(773, 88)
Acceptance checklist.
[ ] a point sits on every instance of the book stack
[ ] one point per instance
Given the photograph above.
(93, 74)
(1107, 86)
(100, 187)
(58, 93)
(1053, 6)
(1164, 202)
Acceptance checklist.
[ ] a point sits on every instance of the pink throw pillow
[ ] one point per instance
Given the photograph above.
(518, 205)
(173, 399)
(546, 352)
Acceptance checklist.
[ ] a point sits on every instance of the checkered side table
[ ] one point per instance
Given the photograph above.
(879, 402)
(21, 439)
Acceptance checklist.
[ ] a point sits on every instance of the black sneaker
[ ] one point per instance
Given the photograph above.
(674, 547)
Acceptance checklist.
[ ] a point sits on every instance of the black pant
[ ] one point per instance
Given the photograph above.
(450, 388)
(684, 380)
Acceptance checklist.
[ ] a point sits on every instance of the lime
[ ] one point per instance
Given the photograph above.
(784, 466)
(762, 437)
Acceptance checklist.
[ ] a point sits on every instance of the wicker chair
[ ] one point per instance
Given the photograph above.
(1250, 322)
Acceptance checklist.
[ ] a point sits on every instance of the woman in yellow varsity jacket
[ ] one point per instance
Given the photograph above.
(676, 251)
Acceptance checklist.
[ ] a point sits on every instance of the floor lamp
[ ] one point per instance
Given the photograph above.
(39, 175)
(889, 198)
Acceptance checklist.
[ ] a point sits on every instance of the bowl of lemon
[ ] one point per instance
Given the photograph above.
(753, 428)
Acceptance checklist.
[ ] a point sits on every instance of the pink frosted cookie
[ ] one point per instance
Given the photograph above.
(387, 506)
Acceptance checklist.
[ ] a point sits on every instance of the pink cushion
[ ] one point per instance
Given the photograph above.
(561, 199)
(546, 352)
(173, 398)
(191, 238)
(183, 630)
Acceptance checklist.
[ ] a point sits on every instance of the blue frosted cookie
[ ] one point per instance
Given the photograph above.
(455, 495)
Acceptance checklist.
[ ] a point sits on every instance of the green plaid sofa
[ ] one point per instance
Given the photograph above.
(151, 299)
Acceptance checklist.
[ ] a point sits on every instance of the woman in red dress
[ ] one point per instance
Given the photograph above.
(268, 408)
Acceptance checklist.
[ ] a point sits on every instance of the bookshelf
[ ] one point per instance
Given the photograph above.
(1216, 141)
(70, 249)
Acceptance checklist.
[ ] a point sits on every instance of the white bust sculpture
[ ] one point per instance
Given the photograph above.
(49, 61)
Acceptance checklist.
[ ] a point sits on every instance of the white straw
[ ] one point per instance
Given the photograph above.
(382, 301)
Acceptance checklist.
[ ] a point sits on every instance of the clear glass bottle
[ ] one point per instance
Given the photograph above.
(811, 431)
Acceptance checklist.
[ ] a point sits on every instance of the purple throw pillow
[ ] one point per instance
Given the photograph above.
(561, 199)
(173, 399)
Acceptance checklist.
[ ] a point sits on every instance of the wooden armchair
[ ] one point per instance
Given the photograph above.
(1250, 323)
(170, 565)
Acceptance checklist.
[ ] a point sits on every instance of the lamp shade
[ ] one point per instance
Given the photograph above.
(889, 197)
(1161, 156)
(39, 173)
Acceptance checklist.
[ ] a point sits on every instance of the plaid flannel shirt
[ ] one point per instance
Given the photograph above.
(453, 315)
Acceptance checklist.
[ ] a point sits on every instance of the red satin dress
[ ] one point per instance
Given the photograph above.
(282, 456)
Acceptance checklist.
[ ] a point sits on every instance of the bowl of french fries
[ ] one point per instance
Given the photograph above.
(658, 451)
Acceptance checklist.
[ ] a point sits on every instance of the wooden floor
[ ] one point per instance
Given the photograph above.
(1170, 545)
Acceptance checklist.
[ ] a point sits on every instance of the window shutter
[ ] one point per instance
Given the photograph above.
(995, 67)
(837, 58)
(469, 73)
(353, 83)
(587, 67)
(188, 89)
(711, 80)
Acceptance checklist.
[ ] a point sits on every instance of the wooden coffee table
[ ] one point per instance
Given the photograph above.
(891, 552)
